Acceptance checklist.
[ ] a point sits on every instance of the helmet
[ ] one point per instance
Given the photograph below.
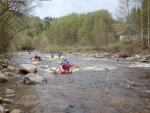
(64, 59)
(67, 61)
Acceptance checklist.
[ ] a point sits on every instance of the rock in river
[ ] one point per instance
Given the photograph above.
(29, 68)
(31, 78)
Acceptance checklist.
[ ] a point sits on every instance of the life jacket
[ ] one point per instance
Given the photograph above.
(62, 71)
(66, 66)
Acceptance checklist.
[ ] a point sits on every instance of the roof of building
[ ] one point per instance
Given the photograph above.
(129, 31)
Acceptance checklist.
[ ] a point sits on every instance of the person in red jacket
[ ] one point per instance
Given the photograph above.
(36, 57)
(65, 67)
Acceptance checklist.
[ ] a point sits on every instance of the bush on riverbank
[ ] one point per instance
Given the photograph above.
(118, 48)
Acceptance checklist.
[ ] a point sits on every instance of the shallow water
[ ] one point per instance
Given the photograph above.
(97, 86)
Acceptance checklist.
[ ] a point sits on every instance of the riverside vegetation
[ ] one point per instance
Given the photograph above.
(97, 30)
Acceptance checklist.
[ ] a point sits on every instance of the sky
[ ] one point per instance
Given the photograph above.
(59, 8)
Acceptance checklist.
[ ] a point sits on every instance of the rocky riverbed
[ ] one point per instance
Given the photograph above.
(97, 85)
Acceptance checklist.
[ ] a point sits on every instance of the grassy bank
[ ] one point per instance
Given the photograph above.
(119, 47)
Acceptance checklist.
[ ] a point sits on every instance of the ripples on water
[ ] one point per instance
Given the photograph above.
(98, 85)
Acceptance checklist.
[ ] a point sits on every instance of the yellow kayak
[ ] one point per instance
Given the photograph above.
(35, 59)
(54, 58)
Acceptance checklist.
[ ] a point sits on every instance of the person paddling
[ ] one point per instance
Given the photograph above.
(65, 67)
(52, 55)
(36, 57)
(59, 55)
(68, 67)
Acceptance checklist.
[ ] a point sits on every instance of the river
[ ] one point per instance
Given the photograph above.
(99, 85)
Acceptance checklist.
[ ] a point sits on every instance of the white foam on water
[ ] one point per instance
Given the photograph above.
(138, 64)
(75, 69)
(48, 70)
(49, 75)
(34, 62)
(99, 68)
(53, 68)
(147, 91)
(43, 66)
(113, 67)
(88, 59)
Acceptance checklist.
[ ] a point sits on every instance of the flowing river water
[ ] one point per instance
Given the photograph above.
(99, 85)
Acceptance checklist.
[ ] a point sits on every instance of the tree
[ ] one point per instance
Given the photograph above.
(102, 25)
(85, 34)
(82, 29)
(124, 10)
(13, 20)
(148, 24)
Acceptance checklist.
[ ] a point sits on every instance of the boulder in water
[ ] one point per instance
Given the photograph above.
(28, 68)
(32, 79)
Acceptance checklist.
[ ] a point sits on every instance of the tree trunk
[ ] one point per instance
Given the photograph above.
(148, 27)
(141, 25)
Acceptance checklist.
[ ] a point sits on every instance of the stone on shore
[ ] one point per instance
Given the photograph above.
(3, 78)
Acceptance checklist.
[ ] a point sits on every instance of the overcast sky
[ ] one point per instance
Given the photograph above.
(59, 8)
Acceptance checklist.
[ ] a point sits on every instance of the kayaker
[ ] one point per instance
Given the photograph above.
(36, 57)
(52, 55)
(65, 67)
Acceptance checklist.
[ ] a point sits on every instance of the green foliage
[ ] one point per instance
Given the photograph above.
(91, 29)
(145, 15)
(82, 29)
(94, 29)
(52, 48)
(28, 42)
(37, 41)
(117, 44)
(43, 43)
(13, 20)
(17, 43)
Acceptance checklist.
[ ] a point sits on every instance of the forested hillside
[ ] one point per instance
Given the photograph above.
(96, 30)
(92, 29)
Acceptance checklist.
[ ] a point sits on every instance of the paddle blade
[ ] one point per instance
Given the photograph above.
(76, 67)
